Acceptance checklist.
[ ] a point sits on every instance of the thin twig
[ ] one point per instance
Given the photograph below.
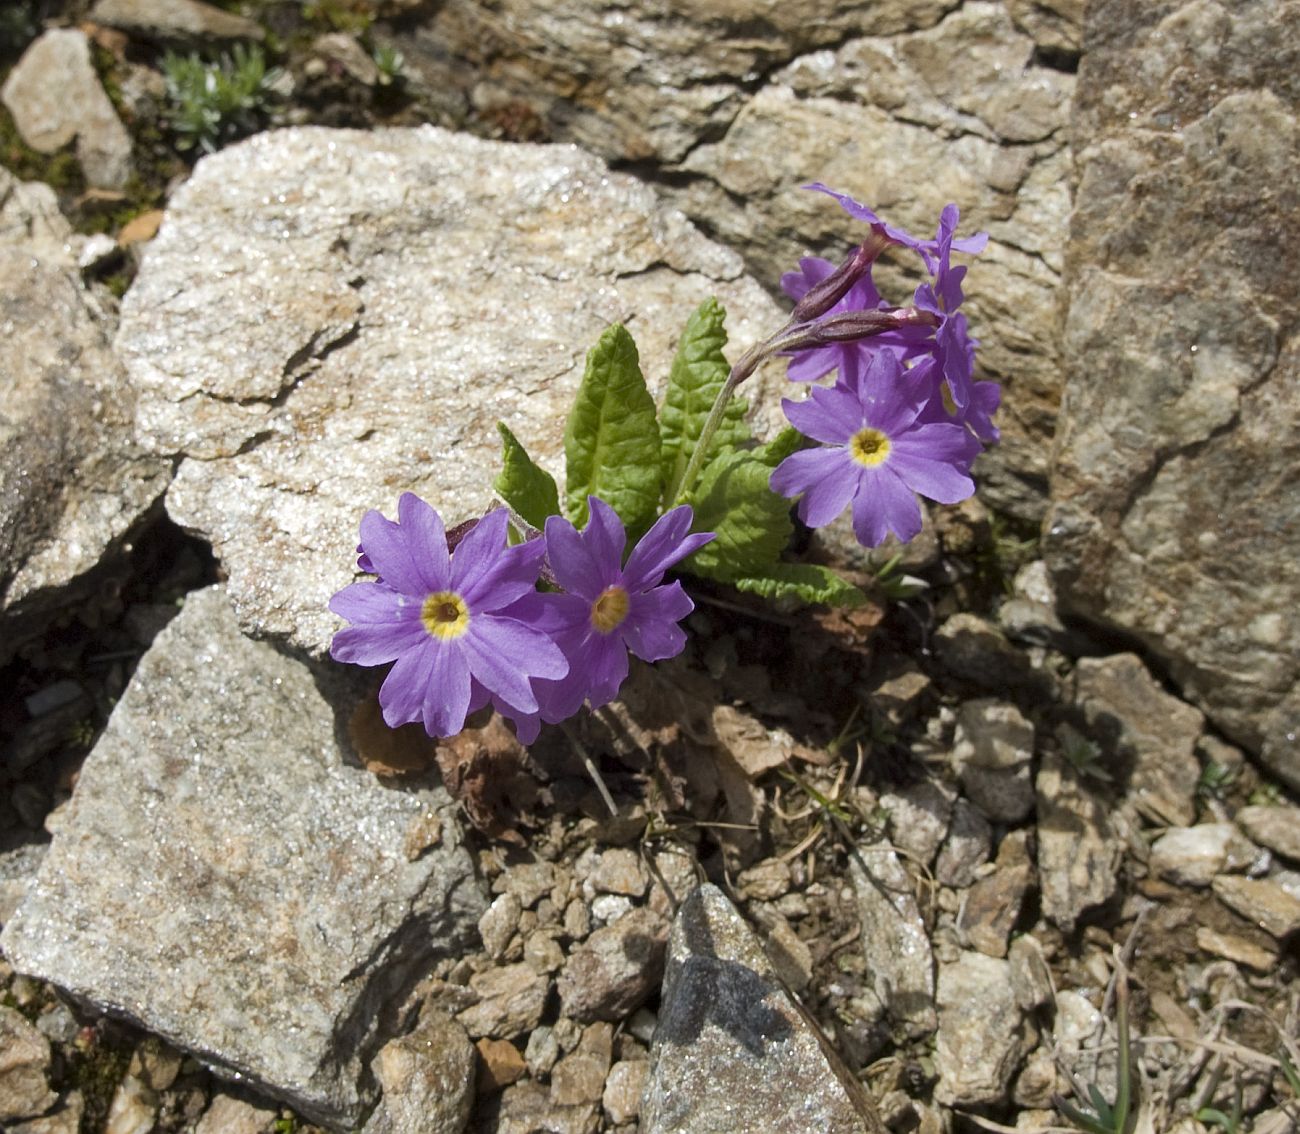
(592, 770)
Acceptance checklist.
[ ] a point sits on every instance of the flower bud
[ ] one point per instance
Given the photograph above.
(823, 296)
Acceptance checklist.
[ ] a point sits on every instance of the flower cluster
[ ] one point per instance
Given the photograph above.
(904, 416)
(466, 626)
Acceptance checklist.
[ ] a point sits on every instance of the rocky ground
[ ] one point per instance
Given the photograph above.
(1034, 791)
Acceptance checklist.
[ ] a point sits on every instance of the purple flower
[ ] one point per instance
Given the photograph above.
(609, 609)
(455, 625)
(929, 250)
(877, 453)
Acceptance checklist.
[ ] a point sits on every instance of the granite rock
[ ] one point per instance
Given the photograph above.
(1152, 734)
(427, 1078)
(24, 1068)
(1277, 828)
(370, 305)
(1079, 850)
(980, 1039)
(1261, 902)
(993, 749)
(1193, 856)
(1174, 516)
(733, 1051)
(183, 22)
(74, 485)
(615, 969)
(284, 906)
(894, 940)
(55, 96)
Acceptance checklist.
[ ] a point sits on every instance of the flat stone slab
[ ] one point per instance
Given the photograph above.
(227, 877)
(329, 318)
(733, 1050)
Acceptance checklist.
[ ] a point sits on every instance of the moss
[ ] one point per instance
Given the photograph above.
(60, 170)
(96, 1070)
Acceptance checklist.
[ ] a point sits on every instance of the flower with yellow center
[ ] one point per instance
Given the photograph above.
(445, 615)
(609, 611)
(869, 447)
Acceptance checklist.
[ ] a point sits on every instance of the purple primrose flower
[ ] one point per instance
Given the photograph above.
(929, 250)
(608, 608)
(453, 624)
(877, 453)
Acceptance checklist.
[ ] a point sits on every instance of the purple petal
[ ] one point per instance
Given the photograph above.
(666, 543)
(504, 654)
(831, 416)
(940, 441)
(388, 546)
(938, 480)
(402, 694)
(809, 365)
(375, 645)
(493, 575)
(374, 603)
(812, 270)
(827, 477)
(576, 569)
(427, 540)
(651, 631)
(885, 503)
(608, 668)
(446, 696)
(605, 536)
(478, 550)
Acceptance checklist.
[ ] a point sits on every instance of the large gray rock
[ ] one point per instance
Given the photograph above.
(175, 21)
(733, 1050)
(907, 105)
(1175, 516)
(55, 96)
(73, 483)
(368, 305)
(228, 878)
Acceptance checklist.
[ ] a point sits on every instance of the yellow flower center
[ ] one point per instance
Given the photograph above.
(445, 615)
(869, 447)
(609, 610)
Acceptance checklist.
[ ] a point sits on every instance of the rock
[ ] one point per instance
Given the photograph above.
(1261, 902)
(187, 23)
(427, 1079)
(346, 52)
(55, 96)
(266, 956)
(789, 955)
(66, 1119)
(1031, 979)
(227, 1114)
(975, 650)
(331, 303)
(1236, 949)
(1154, 733)
(732, 1050)
(966, 849)
(498, 924)
(1177, 443)
(621, 1099)
(765, 881)
(751, 744)
(1079, 851)
(615, 969)
(1056, 25)
(1192, 856)
(613, 870)
(992, 905)
(18, 867)
(24, 1068)
(527, 1107)
(918, 817)
(979, 1044)
(579, 1078)
(511, 1000)
(74, 485)
(1277, 828)
(134, 1109)
(500, 1064)
(993, 749)
(894, 940)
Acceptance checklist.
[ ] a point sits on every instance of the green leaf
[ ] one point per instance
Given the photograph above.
(805, 581)
(528, 489)
(781, 446)
(751, 522)
(611, 443)
(698, 373)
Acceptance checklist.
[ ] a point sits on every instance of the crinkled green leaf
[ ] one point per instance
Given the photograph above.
(699, 372)
(781, 446)
(527, 488)
(611, 442)
(750, 521)
(805, 581)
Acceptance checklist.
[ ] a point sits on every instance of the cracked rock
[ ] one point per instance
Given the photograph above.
(218, 809)
(352, 337)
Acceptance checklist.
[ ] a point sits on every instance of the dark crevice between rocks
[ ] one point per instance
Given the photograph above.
(1056, 58)
(62, 684)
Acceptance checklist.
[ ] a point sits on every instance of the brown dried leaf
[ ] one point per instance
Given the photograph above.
(486, 770)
